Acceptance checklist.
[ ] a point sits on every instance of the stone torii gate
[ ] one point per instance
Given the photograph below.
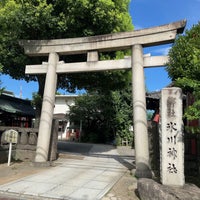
(134, 40)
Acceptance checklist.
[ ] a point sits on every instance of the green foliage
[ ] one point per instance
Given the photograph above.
(1, 89)
(193, 111)
(52, 19)
(150, 114)
(104, 116)
(92, 17)
(37, 104)
(37, 100)
(184, 67)
(49, 19)
(91, 109)
(123, 113)
(192, 129)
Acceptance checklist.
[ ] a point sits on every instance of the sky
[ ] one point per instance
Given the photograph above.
(145, 14)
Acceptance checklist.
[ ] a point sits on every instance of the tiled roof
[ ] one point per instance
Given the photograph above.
(15, 105)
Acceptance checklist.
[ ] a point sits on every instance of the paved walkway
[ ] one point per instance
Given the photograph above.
(87, 178)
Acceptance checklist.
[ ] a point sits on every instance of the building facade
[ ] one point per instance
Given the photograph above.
(66, 129)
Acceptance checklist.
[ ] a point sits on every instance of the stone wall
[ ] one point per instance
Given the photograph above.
(25, 147)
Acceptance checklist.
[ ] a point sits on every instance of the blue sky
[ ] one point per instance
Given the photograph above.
(145, 13)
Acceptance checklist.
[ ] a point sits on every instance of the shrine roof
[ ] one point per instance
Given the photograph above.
(16, 106)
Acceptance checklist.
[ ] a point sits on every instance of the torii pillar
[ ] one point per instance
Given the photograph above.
(139, 114)
(47, 109)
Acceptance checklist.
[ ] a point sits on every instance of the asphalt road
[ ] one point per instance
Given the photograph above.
(72, 147)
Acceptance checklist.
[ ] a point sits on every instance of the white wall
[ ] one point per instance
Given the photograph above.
(62, 103)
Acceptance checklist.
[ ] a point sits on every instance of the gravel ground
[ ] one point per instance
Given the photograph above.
(124, 189)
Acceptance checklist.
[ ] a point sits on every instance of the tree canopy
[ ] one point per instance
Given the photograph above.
(50, 19)
(184, 67)
(54, 19)
(104, 117)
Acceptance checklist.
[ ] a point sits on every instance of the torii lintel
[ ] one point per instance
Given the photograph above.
(158, 35)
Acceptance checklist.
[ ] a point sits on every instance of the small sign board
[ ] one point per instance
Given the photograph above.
(11, 136)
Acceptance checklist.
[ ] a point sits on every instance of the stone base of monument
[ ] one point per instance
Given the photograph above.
(149, 189)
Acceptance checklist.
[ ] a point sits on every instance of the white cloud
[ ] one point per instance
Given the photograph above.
(162, 51)
(137, 27)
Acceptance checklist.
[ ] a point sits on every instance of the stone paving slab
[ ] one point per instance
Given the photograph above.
(87, 179)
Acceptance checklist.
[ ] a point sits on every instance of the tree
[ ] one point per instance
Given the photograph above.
(123, 118)
(1, 89)
(50, 19)
(45, 19)
(90, 109)
(104, 116)
(184, 67)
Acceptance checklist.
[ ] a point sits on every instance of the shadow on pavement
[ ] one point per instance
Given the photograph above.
(126, 156)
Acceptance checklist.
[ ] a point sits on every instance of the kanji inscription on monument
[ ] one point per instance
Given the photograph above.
(171, 137)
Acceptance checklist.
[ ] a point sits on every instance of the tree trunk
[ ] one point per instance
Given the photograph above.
(41, 83)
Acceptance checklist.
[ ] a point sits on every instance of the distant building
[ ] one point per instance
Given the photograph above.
(8, 93)
(61, 111)
(15, 112)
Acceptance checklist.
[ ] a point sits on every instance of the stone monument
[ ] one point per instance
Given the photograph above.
(171, 137)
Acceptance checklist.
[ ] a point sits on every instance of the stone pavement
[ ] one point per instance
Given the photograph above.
(89, 178)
